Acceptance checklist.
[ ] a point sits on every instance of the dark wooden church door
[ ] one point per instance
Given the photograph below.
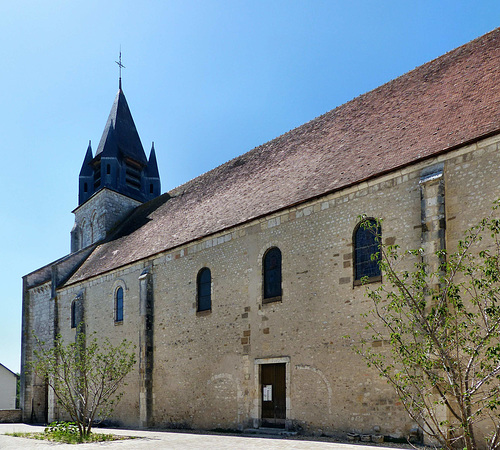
(273, 391)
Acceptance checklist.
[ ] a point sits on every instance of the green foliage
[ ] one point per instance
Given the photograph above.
(86, 377)
(62, 429)
(442, 329)
(66, 432)
(62, 432)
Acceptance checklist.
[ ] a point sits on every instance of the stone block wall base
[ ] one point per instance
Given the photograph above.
(11, 415)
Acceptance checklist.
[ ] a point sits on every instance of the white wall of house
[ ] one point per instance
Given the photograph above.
(8, 382)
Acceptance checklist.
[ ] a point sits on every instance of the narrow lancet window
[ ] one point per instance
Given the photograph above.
(366, 244)
(272, 275)
(204, 286)
(73, 314)
(119, 305)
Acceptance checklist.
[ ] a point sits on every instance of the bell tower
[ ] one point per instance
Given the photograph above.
(114, 181)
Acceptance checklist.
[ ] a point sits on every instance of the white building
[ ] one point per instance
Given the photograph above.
(8, 383)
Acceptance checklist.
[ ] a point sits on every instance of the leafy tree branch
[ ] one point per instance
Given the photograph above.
(85, 376)
(442, 330)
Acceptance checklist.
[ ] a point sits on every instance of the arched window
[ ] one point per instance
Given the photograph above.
(367, 237)
(119, 305)
(85, 234)
(272, 275)
(73, 314)
(204, 287)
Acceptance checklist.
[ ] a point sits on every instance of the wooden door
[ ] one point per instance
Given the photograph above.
(273, 394)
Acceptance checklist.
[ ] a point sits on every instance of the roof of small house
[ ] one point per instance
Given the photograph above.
(446, 103)
(9, 371)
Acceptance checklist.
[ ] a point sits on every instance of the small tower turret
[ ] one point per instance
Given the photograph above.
(152, 184)
(86, 178)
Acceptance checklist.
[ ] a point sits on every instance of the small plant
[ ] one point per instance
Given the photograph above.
(67, 433)
(62, 431)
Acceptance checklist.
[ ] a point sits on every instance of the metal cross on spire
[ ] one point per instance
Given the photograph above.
(121, 66)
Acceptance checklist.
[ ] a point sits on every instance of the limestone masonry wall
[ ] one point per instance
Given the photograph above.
(97, 217)
(40, 315)
(205, 366)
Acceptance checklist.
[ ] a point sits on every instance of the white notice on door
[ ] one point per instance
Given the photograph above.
(267, 393)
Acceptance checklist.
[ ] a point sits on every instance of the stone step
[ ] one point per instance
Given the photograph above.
(268, 431)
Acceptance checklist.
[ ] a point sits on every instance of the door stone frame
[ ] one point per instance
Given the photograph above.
(257, 403)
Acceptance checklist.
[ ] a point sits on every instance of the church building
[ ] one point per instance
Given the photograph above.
(239, 287)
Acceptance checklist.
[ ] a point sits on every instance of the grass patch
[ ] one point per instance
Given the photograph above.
(67, 433)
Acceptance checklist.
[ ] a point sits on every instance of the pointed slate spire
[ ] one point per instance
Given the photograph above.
(86, 177)
(152, 184)
(126, 139)
(110, 146)
(86, 169)
(120, 163)
(152, 164)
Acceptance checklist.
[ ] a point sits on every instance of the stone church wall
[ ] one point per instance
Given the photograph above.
(40, 315)
(329, 388)
(97, 217)
(205, 365)
(99, 319)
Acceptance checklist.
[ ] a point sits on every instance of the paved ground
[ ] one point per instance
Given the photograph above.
(170, 440)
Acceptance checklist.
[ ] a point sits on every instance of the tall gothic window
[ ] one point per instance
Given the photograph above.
(367, 237)
(204, 288)
(119, 305)
(272, 275)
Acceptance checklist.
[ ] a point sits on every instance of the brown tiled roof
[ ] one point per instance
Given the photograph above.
(445, 103)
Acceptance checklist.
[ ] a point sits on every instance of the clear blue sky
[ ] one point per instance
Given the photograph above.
(205, 80)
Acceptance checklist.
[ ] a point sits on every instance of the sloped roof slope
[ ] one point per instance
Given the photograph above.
(450, 101)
